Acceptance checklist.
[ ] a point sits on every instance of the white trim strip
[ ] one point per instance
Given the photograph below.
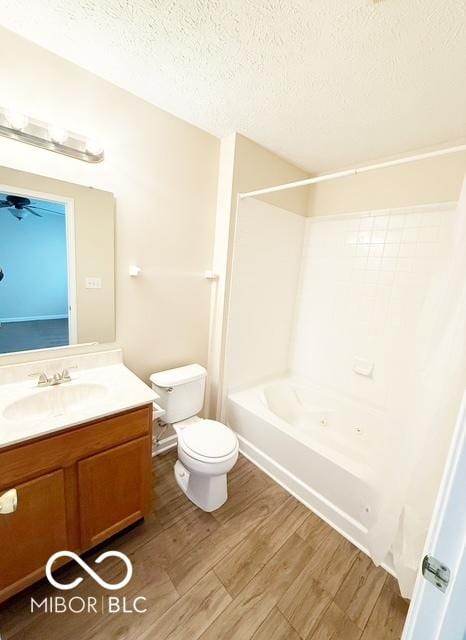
(60, 316)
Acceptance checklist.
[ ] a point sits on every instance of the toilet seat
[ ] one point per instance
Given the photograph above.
(208, 441)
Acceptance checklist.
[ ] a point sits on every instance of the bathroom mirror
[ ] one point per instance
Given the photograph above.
(56, 263)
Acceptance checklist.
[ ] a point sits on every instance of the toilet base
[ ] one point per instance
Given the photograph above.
(206, 492)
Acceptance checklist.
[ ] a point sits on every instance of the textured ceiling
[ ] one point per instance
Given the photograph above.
(324, 83)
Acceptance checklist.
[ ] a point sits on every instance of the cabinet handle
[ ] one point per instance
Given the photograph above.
(8, 502)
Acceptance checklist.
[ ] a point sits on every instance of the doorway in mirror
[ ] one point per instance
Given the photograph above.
(36, 271)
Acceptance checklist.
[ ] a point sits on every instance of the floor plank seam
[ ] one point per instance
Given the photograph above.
(290, 622)
(269, 559)
(374, 605)
(225, 586)
(245, 586)
(243, 508)
(255, 632)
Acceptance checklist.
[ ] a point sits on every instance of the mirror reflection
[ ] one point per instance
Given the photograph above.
(35, 304)
(56, 263)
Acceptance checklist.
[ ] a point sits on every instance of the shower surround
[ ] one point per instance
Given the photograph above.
(322, 319)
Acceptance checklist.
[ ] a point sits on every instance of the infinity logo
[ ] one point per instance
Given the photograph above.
(87, 568)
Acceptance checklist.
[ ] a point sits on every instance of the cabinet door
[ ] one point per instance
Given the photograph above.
(32, 533)
(114, 490)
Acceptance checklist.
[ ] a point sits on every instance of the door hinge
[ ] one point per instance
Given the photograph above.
(436, 572)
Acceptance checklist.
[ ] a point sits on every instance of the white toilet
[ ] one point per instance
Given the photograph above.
(207, 449)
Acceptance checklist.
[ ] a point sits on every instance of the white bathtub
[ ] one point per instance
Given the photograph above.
(320, 447)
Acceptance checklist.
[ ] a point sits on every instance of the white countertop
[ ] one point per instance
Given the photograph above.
(119, 390)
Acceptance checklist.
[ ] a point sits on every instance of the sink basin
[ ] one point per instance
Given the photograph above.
(54, 401)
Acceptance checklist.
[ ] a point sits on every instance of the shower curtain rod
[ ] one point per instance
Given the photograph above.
(353, 172)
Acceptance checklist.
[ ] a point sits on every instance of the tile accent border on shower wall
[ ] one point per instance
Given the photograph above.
(420, 208)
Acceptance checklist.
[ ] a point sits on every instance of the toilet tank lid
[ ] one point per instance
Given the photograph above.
(180, 375)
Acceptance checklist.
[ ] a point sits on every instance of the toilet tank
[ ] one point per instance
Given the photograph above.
(180, 391)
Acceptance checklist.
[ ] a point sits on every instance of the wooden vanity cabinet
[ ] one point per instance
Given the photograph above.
(122, 477)
(75, 489)
(40, 520)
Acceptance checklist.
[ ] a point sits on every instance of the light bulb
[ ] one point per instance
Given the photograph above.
(94, 147)
(17, 120)
(57, 134)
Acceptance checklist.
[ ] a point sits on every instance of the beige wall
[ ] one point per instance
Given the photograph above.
(256, 168)
(163, 173)
(244, 166)
(94, 227)
(423, 182)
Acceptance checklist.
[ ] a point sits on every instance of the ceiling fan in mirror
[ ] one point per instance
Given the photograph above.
(20, 207)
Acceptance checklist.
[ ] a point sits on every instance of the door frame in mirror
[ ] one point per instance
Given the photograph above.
(70, 251)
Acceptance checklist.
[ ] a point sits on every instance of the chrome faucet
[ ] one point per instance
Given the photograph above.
(43, 380)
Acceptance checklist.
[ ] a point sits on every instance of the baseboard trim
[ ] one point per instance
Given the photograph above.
(164, 445)
(285, 479)
(33, 318)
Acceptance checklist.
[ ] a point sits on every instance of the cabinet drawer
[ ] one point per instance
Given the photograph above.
(31, 534)
(27, 460)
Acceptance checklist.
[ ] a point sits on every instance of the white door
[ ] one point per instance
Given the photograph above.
(433, 614)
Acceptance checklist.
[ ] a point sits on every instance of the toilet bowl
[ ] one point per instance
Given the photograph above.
(207, 449)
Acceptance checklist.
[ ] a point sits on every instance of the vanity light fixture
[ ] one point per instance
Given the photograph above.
(17, 126)
(93, 146)
(16, 120)
(57, 134)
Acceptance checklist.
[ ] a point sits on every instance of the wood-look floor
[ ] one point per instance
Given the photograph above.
(262, 567)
